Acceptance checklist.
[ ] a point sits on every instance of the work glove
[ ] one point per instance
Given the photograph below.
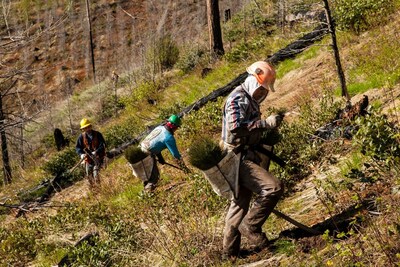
(273, 121)
(83, 156)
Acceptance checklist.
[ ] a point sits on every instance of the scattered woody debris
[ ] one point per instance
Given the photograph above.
(342, 125)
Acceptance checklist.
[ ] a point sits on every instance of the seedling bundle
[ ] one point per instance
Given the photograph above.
(134, 154)
(204, 154)
(220, 169)
(140, 162)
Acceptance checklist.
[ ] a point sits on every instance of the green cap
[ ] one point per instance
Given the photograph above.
(175, 120)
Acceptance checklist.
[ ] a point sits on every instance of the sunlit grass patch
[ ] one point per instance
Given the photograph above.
(375, 63)
(292, 64)
(287, 66)
(50, 258)
(130, 194)
(192, 87)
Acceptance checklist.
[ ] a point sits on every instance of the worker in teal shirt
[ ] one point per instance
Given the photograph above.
(160, 138)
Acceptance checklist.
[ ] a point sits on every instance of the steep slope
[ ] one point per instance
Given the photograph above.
(56, 46)
(182, 223)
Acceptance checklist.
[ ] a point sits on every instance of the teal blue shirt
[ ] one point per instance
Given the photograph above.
(159, 139)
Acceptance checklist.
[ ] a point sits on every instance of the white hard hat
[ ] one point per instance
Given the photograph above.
(264, 73)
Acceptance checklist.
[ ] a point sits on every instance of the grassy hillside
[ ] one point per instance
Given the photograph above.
(348, 189)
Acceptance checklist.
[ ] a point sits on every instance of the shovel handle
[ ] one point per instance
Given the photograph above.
(296, 223)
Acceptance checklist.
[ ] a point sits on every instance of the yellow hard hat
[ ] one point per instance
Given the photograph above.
(264, 73)
(85, 123)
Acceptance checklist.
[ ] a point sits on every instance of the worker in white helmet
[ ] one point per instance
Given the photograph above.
(242, 128)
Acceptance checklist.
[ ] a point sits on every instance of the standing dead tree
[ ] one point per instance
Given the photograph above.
(6, 7)
(214, 27)
(18, 106)
(282, 14)
(335, 48)
(12, 117)
(114, 79)
(7, 176)
(91, 40)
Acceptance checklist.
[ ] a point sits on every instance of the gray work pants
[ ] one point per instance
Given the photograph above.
(268, 190)
(155, 175)
(92, 173)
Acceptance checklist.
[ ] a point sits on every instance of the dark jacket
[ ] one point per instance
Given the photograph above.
(93, 142)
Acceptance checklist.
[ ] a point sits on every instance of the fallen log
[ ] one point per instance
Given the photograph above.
(21, 208)
(289, 51)
(90, 238)
(55, 181)
(296, 223)
(51, 185)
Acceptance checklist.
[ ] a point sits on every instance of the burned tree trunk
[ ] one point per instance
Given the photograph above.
(59, 139)
(91, 40)
(214, 28)
(335, 48)
(4, 149)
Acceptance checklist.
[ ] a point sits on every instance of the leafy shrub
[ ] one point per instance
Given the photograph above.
(378, 138)
(204, 153)
(240, 52)
(190, 58)
(165, 112)
(168, 52)
(60, 166)
(233, 34)
(134, 154)
(93, 253)
(359, 15)
(145, 90)
(261, 23)
(17, 244)
(62, 162)
(244, 23)
(245, 49)
(297, 147)
(110, 105)
(206, 119)
(118, 134)
(25, 247)
(48, 141)
(164, 53)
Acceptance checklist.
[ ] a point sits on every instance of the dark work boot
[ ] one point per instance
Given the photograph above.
(231, 244)
(259, 240)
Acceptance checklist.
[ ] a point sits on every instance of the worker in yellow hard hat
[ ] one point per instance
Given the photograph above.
(91, 148)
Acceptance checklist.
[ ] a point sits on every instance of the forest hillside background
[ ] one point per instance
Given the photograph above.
(152, 59)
